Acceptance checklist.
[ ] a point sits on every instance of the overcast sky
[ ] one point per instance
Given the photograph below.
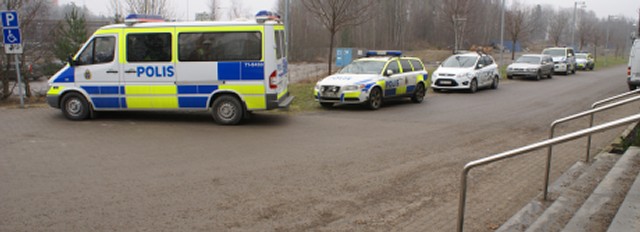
(603, 8)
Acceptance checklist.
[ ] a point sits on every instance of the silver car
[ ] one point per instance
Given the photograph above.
(531, 66)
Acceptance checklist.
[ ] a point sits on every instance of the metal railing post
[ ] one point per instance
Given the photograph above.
(529, 148)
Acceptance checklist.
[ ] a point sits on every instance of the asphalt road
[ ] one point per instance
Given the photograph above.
(345, 169)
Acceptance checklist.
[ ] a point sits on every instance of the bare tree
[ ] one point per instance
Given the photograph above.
(559, 23)
(336, 15)
(237, 10)
(214, 14)
(456, 12)
(586, 28)
(116, 9)
(520, 23)
(153, 7)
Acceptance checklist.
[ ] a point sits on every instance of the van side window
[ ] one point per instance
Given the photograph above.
(220, 46)
(100, 50)
(417, 66)
(149, 47)
(279, 44)
(406, 66)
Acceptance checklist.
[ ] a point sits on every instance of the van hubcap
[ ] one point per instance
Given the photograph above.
(227, 110)
(74, 107)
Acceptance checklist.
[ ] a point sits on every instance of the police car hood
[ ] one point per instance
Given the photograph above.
(558, 58)
(348, 79)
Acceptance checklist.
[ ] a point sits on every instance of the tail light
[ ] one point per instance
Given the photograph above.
(273, 80)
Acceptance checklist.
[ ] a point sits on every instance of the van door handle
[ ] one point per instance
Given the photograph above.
(112, 71)
(130, 71)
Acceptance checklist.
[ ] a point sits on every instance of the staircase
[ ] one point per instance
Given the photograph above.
(601, 196)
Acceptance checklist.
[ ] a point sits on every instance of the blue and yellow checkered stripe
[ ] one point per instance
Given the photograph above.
(170, 96)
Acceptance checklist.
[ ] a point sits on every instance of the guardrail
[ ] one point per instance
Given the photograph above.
(573, 117)
(529, 148)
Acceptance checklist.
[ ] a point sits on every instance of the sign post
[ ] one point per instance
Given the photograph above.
(13, 43)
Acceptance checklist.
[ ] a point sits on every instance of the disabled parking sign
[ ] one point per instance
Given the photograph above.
(11, 32)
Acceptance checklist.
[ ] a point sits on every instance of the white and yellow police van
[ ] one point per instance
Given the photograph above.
(381, 75)
(230, 68)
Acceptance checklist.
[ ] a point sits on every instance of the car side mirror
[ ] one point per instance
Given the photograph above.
(389, 72)
(480, 66)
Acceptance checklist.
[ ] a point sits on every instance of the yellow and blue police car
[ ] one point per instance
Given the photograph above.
(381, 75)
(229, 68)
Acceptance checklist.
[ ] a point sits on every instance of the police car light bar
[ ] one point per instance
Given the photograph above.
(265, 15)
(384, 53)
(142, 18)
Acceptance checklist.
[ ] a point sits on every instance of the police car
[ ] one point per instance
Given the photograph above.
(468, 71)
(381, 75)
(228, 68)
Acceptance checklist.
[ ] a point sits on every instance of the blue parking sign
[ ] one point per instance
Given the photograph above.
(9, 18)
(11, 36)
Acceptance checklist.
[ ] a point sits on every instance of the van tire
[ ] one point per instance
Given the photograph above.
(75, 107)
(227, 110)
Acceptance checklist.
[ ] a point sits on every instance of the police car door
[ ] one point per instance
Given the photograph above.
(408, 76)
(484, 71)
(149, 70)
(97, 70)
(394, 82)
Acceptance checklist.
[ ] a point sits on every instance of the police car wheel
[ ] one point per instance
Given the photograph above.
(375, 99)
(75, 107)
(227, 110)
(418, 95)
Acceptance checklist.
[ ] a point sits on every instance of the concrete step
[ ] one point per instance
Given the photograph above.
(628, 216)
(530, 212)
(562, 209)
(598, 210)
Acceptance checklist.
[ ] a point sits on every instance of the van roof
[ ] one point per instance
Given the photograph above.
(189, 24)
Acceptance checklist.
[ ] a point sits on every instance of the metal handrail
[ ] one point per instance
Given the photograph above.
(573, 117)
(529, 148)
(601, 102)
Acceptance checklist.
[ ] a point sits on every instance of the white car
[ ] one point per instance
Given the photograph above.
(469, 71)
(564, 59)
(371, 80)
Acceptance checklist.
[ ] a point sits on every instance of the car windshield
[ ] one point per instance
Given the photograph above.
(554, 52)
(581, 56)
(363, 67)
(460, 62)
(528, 60)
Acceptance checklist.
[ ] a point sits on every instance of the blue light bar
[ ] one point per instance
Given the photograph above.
(142, 18)
(384, 53)
(265, 15)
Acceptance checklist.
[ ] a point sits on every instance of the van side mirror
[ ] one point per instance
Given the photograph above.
(70, 61)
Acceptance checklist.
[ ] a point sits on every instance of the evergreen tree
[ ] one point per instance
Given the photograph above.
(71, 34)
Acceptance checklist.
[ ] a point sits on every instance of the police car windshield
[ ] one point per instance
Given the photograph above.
(528, 60)
(554, 52)
(460, 62)
(363, 67)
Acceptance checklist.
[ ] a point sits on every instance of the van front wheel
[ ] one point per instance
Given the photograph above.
(75, 107)
(227, 110)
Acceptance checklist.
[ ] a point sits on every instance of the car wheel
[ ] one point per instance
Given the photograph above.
(474, 86)
(539, 75)
(418, 95)
(632, 87)
(326, 105)
(227, 110)
(509, 77)
(495, 82)
(375, 99)
(550, 74)
(75, 107)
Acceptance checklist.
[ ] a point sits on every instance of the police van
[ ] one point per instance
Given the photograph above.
(633, 69)
(229, 68)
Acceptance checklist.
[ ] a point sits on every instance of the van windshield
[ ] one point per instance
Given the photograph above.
(554, 52)
(363, 67)
(460, 62)
(581, 56)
